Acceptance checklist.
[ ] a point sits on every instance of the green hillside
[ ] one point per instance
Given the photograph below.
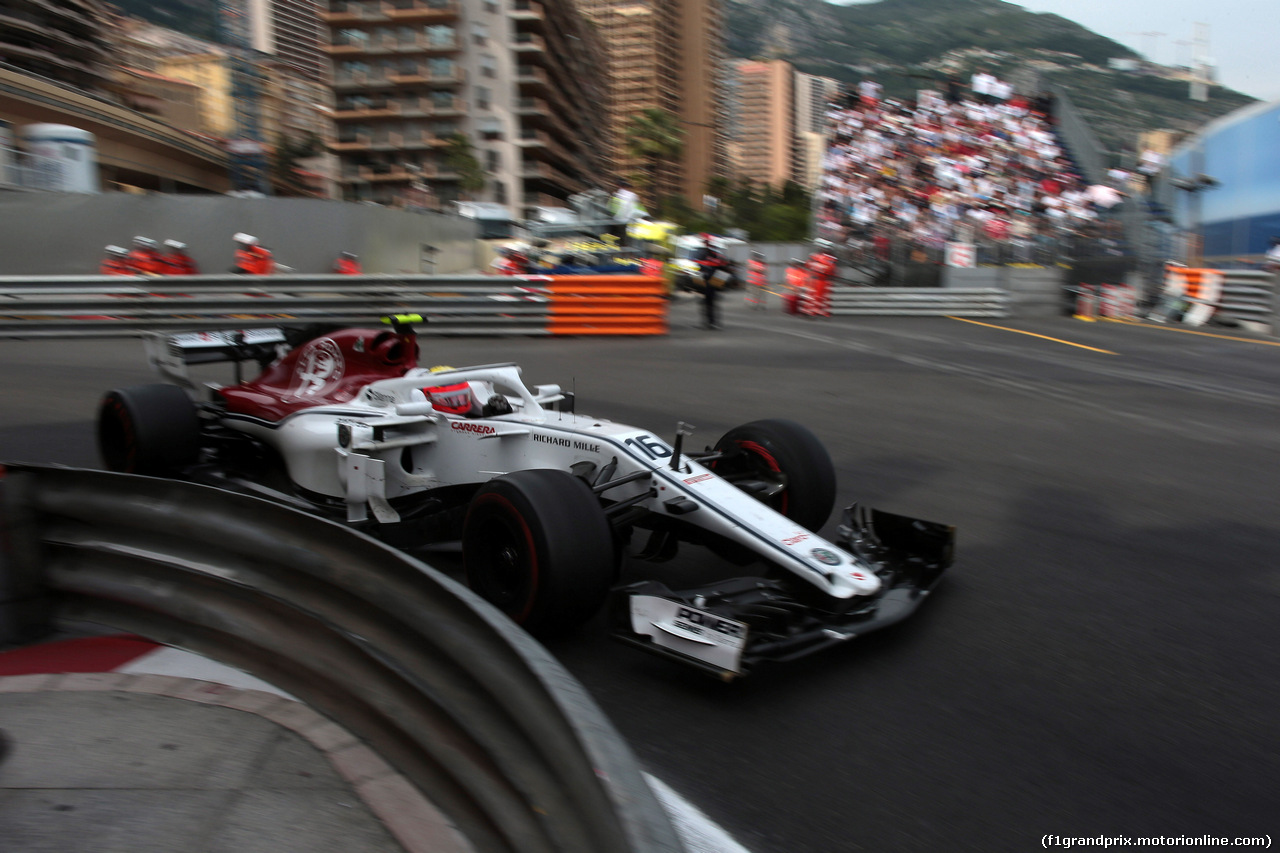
(908, 44)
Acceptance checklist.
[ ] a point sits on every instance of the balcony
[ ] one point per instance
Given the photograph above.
(540, 144)
(423, 11)
(532, 78)
(528, 11)
(385, 174)
(528, 43)
(426, 108)
(378, 109)
(352, 13)
(532, 107)
(358, 142)
(413, 141)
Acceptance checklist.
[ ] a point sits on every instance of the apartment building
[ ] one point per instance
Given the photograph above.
(523, 81)
(291, 31)
(64, 41)
(814, 95)
(765, 122)
(668, 55)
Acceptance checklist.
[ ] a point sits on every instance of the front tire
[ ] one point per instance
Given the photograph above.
(148, 429)
(537, 546)
(783, 465)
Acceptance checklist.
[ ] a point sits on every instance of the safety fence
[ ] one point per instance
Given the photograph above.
(920, 301)
(465, 705)
(453, 305)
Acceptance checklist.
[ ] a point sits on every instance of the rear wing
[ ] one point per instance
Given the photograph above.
(170, 354)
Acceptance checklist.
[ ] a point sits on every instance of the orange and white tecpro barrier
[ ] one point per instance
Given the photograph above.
(1195, 293)
(606, 304)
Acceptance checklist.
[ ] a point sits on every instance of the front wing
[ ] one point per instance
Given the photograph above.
(729, 627)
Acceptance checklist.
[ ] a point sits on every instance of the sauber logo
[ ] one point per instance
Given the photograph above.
(319, 367)
(795, 540)
(478, 429)
(822, 555)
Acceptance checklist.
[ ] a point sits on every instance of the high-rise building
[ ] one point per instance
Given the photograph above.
(63, 41)
(667, 55)
(290, 30)
(521, 81)
(765, 121)
(814, 96)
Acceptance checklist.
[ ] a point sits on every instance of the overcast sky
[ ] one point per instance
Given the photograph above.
(1243, 35)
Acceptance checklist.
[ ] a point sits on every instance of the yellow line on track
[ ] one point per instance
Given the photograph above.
(1189, 331)
(1032, 334)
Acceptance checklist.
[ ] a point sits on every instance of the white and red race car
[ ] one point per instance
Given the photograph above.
(545, 501)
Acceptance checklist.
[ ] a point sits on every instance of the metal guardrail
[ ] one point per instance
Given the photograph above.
(464, 704)
(919, 301)
(120, 305)
(478, 305)
(1247, 296)
(454, 305)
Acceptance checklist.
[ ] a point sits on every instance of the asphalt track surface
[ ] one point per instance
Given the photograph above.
(1103, 658)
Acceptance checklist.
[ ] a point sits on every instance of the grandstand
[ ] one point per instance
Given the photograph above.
(902, 180)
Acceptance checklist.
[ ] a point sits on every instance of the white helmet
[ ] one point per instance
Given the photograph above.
(247, 239)
(117, 250)
(175, 244)
(144, 241)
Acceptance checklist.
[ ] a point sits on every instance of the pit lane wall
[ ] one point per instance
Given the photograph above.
(44, 234)
(467, 707)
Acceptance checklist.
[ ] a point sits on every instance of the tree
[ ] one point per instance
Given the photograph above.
(460, 158)
(655, 136)
(284, 163)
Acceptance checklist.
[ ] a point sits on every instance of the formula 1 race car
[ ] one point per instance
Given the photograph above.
(342, 423)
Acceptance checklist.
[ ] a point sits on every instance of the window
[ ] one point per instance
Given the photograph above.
(442, 99)
(356, 38)
(441, 66)
(440, 35)
(483, 96)
(488, 65)
(492, 161)
(479, 33)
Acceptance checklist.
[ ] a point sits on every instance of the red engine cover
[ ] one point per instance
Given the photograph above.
(325, 370)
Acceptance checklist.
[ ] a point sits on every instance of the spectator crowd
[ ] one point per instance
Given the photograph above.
(980, 166)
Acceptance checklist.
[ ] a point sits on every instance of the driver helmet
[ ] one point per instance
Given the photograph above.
(247, 239)
(176, 245)
(146, 242)
(455, 399)
(117, 250)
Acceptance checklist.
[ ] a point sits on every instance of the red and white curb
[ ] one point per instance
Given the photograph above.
(134, 665)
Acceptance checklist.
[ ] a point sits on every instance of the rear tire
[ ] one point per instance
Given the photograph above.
(783, 465)
(148, 429)
(537, 545)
